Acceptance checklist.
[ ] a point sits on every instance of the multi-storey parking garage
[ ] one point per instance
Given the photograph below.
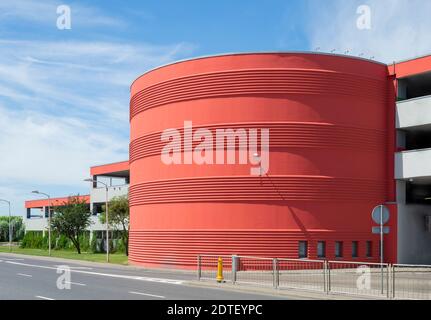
(330, 158)
(345, 135)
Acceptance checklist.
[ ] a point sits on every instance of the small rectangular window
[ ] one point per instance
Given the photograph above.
(369, 249)
(355, 246)
(338, 249)
(321, 249)
(303, 249)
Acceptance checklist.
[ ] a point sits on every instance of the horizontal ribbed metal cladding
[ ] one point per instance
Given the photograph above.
(252, 188)
(282, 135)
(181, 247)
(255, 82)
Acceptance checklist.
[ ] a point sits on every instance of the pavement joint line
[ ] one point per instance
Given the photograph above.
(24, 275)
(158, 280)
(44, 298)
(147, 294)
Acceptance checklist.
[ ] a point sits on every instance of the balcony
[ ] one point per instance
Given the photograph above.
(413, 164)
(414, 112)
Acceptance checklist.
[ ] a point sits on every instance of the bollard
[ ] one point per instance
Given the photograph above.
(235, 267)
(220, 270)
(275, 274)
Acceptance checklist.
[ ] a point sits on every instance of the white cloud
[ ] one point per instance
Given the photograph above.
(64, 107)
(45, 12)
(400, 28)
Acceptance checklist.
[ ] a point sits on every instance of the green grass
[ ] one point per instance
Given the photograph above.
(117, 258)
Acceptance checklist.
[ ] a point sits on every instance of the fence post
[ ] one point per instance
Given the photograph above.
(328, 275)
(199, 268)
(325, 286)
(275, 274)
(235, 261)
(388, 267)
(393, 282)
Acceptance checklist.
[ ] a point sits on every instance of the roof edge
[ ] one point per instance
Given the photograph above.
(255, 53)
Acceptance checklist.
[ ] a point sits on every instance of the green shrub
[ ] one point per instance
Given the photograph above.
(17, 225)
(94, 247)
(33, 239)
(62, 242)
(120, 246)
(84, 241)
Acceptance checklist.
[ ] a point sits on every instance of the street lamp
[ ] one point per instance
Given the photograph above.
(10, 232)
(106, 214)
(49, 218)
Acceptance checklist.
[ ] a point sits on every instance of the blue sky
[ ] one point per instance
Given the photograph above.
(64, 94)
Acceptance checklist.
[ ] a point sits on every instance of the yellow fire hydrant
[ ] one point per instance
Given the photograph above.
(220, 270)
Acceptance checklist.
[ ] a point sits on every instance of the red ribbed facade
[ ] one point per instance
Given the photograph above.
(328, 125)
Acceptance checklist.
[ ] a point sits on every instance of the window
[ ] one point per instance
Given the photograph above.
(355, 246)
(369, 249)
(303, 249)
(338, 249)
(321, 249)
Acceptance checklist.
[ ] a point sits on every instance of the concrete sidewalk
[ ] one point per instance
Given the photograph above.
(295, 294)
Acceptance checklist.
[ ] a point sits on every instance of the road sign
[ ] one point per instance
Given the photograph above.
(376, 214)
(376, 230)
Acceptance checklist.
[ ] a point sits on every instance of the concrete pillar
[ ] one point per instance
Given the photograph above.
(402, 89)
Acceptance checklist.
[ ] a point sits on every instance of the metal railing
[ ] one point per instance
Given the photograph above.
(207, 267)
(397, 281)
(411, 281)
(253, 270)
(359, 278)
(302, 274)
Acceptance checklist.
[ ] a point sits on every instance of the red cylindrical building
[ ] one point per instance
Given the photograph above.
(326, 115)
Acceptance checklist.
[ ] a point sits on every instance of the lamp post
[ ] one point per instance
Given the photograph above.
(10, 224)
(106, 214)
(49, 218)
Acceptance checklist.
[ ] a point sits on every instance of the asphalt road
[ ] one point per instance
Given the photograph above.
(34, 278)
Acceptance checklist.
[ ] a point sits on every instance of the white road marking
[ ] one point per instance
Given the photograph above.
(159, 280)
(76, 283)
(24, 275)
(77, 268)
(147, 294)
(44, 298)
(13, 259)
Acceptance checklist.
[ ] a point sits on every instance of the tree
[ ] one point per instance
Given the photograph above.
(118, 215)
(4, 231)
(17, 226)
(71, 219)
